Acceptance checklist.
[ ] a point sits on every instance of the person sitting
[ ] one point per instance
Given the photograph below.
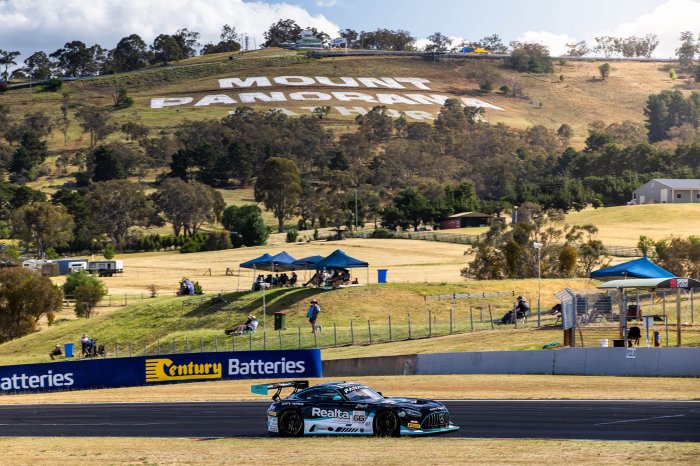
(315, 280)
(293, 279)
(283, 279)
(268, 279)
(249, 326)
(56, 351)
(633, 335)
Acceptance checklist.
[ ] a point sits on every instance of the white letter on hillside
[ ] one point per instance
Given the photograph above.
(383, 82)
(347, 82)
(160, 102)
(470, 102)
(294, 80)
(251, 97)
(229, 83)
(419, 115)
(428, 99)
(418, 82)
(348, 96)
(215, 99)
(309, 96)
(350, 111)
(394, 99)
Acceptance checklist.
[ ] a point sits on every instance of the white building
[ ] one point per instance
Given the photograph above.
(667, 191)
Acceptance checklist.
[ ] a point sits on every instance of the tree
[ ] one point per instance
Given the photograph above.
(530, 57)
(43, 225)
(246, 225)
(117, 205)
(413, 207)
(38, 66)
(76, 59)
(493, 44)
(25, 297)
(96, 121)
(577, 49)
(86, 289)
(188, 41)
(165, 49)
(376, 125)
(188, 205)
(278, 187)
(606, 45)
(130, 54)
(107, 165)
(438, 43)
(7, 59)
(230, 42)
(350, 36)
(604, 70)
(27, 158)
(282, 32)
(688, 49)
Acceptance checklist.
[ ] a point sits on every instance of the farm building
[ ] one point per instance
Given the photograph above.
(667, 191)
(465, 219)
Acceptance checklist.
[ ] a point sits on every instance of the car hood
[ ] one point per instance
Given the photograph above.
(420, 404)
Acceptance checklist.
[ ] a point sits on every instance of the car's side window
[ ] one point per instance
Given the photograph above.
(319, 394)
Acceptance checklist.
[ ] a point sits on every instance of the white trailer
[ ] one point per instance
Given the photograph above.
(106, 268)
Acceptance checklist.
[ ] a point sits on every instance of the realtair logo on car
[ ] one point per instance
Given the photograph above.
(164, 370)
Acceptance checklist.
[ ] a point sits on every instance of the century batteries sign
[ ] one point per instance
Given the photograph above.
(344, 95)
(150, 370)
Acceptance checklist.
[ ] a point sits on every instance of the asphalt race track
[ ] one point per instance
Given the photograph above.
(600, 420)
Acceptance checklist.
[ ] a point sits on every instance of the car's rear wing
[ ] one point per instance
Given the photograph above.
(262, 389)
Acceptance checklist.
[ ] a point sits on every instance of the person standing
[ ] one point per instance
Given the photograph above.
(312, 315)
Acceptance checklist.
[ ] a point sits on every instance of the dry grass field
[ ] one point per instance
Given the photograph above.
(341, 451)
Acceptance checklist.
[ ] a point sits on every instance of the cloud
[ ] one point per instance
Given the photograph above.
(326, 3)
(555, 42)
(667, 21)
(33, 25)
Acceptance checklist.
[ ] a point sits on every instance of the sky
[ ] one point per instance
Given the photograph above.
(32, 25)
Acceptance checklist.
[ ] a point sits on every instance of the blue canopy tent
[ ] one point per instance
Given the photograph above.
(306, 263)
(339, 260)
(638, 268)
(251, 264)
(278, 263)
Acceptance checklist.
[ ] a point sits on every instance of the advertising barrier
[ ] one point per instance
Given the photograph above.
(159, 369)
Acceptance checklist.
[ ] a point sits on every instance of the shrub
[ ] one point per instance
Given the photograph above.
(382, 233)
(52, 85)
(292, 236)
(217, 241)
(504, 89)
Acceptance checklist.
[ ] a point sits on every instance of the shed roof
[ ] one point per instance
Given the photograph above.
(679, 183)
(469, 214)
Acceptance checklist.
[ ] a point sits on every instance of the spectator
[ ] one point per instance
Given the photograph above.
(314, 311)
(56, 351)
(84, 340)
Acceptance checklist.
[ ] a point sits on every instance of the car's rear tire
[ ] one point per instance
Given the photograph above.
(386, 424)
(291, 423)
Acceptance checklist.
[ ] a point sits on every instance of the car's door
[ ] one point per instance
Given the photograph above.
(326, 411)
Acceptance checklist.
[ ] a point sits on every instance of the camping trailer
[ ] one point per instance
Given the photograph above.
(106, 268)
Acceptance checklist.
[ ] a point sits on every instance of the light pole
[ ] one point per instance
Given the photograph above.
(356, 209)
(538, 246)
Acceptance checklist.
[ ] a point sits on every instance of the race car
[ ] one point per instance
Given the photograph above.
(346, 408)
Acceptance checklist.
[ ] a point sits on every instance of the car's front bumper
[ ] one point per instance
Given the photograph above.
(438, 430)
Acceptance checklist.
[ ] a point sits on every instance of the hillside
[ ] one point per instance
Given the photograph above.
(572, 94)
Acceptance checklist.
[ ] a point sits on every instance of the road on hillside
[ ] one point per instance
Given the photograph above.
(598, 420)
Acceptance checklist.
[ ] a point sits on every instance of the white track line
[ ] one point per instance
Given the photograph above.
(635, 420)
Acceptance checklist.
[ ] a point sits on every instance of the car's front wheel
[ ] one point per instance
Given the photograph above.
(386, 424)
(291, 423)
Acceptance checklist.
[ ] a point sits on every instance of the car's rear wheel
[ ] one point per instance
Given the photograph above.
(291, 423)
(386, 424)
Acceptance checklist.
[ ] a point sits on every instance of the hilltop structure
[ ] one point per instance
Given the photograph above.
(667, 191)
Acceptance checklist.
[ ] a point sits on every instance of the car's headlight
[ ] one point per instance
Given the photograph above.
(412, 413)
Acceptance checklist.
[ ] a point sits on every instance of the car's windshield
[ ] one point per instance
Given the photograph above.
(363, 394)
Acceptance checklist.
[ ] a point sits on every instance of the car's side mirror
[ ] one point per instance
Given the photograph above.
(337, 398)
(380, 393)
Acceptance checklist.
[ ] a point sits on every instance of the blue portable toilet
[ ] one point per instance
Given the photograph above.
(68, 350)
(381, 275)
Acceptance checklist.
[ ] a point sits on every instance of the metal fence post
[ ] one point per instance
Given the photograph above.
(144, 347)
(430, 323)
(233, 342)
(116, 351)
(471, 319)
(335, 335)
(369, 330)
(125, 300)
(250, 341)
(352, 334)
(481, 317)
(216, 343)
(315, 341)
(130, 349)
(158, 346)
(299, 337)
(451, 321)
(187, 344)
(280, 335)
(264, 339)
(390, 339)
(409, 325)
(490, 317)
(201, 346)
(173, 346)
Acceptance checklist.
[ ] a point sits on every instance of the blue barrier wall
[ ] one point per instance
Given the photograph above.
(160, 369)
